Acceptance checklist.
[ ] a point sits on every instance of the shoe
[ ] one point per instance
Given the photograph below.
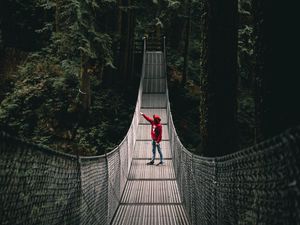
(150, 163)
(160, 163)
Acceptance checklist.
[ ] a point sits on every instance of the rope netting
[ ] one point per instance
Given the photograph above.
(42, 186)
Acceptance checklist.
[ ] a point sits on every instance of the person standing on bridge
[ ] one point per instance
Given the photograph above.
(156, 135)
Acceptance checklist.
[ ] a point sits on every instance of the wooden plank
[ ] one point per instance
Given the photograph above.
(158, 191)
(154, 67)
(154, 85)
(143, 150)
(139, 170)
(151, 215)
(154, 71)
(154, 101)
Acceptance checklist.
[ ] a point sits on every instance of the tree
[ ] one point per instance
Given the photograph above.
(186, 41)
(127, 38)
(76, 37)
(218, 77)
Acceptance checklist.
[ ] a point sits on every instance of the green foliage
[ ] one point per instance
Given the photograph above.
(173, 4)
(245, 44)
(245, 55)
(154, 13)
(185, 111)
(246, 123)
(75, 32)
(44, 108)
(244, 7)
(40, 100)
(43, 103)
(109, 119)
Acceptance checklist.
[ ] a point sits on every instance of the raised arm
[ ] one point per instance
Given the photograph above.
(147, 118)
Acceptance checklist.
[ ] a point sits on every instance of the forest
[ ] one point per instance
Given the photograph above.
(81, 80)
(70, 69)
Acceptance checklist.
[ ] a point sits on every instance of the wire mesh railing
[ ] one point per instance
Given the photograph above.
(41, 186)
(258, 185)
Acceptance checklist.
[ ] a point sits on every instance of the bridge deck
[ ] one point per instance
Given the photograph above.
(151, 195)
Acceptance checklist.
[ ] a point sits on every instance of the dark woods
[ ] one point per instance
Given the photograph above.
(276, 86)
(271, 78)
(69, 70)
(67, 78)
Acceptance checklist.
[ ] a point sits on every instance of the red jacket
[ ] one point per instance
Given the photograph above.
(156, 127)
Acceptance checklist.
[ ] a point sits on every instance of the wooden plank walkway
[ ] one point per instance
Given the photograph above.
(151, 195)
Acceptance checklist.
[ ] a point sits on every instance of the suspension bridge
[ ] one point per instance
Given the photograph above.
(258, 185)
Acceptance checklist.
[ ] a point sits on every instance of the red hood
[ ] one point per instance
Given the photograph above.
(156, 118)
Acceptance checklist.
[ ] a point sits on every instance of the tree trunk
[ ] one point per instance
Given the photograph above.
(124, 44)
(85, 86)
(158, 25)
(218, 104)
(119, 20)
(187, 42)
(57, 16)
(131, 43)
(127, 41)
(261, 54)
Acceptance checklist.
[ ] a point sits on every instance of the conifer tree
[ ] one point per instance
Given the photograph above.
(76, 38)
